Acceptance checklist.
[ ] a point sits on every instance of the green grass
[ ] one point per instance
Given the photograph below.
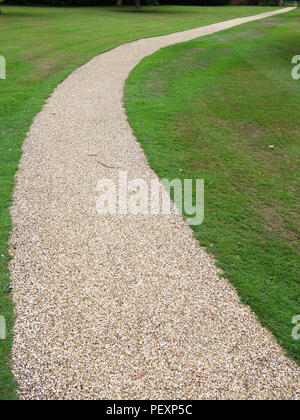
(212, 107)
(42, 46)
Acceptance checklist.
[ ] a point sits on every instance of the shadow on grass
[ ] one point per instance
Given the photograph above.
(9, 10)
(148, 10)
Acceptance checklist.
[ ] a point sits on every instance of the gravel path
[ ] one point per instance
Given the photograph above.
(121, 307)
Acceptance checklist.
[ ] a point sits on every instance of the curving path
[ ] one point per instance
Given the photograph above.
(126, 307)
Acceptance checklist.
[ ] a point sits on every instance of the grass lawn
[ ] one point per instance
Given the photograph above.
(224, 108)
(42, 46)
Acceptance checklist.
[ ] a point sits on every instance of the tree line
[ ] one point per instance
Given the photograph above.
(139, 3)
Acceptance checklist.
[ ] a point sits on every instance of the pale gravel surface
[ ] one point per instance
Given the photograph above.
(121, 307)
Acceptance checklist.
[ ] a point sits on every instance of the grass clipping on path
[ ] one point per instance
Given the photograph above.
(224, 108)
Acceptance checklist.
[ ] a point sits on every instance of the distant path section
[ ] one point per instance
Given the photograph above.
(125, 307)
